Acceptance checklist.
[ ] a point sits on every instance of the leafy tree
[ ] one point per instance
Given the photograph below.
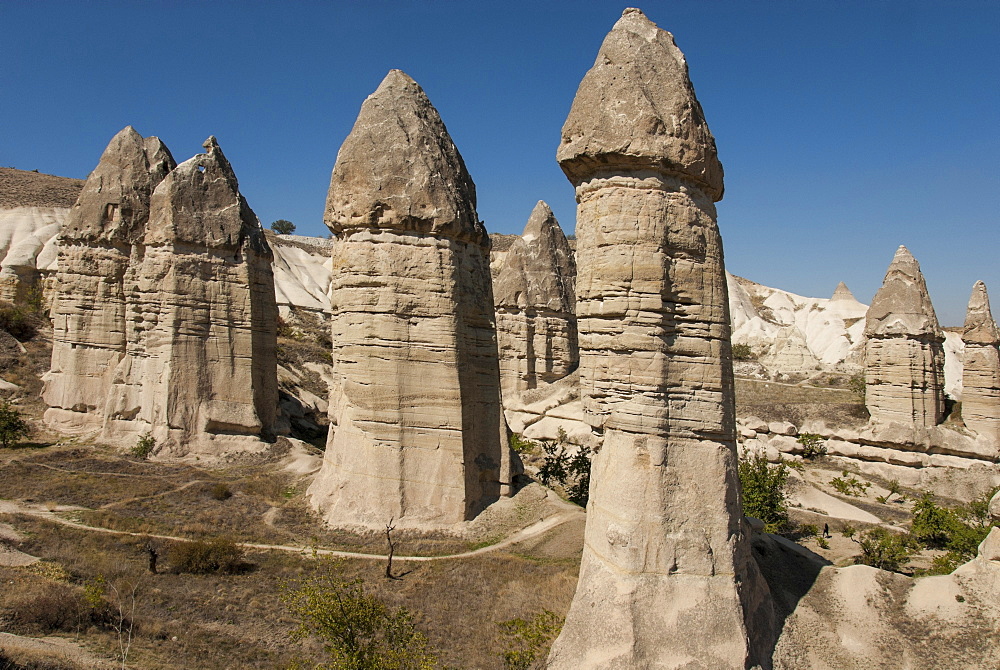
(571, 471)
(959, 530)
(932, 525)
(526, 642)
(283, 227)
(764, 491)
(358, 630)
(13, 427)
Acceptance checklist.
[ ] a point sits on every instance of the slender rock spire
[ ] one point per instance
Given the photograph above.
(667, 578)
(981, 367)
(904, 353)
(416, 421)
(536, 303)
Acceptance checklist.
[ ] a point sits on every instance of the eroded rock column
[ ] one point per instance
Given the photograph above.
(667, 579)
(536, 303)
(904, 354)
(199, 371)
(96, 244)
(415, 412)
(981, 367)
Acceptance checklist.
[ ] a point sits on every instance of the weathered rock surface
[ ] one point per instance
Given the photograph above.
(165, 318)
(416, 429)
(535, 300)
(89, 312)
(981, 367)
(904, 355)
(666, 578)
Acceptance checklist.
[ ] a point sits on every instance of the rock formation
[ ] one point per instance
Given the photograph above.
(981, 367)
(89, 313)
(415, 411)
(904, 355)
(535, 304)
(165, 318)
(667, 579)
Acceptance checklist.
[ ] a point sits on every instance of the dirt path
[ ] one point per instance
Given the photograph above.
(14, 507)
(53, 648)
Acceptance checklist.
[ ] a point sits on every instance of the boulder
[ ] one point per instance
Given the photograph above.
(666, 578)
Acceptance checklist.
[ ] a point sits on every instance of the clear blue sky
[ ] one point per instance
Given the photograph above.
(845, 128)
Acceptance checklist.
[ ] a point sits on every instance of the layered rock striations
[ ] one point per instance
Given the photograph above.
(89, 312)
(904, 355)
(165, 316)
(199, 371)
(981, 368)
(535, 304)
(667, 579)
(416, 431)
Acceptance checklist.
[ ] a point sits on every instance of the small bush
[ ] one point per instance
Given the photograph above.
(284, 330)
(812, 445)
(880, 548)
(18, 321)
(856, 385)
(743, 352)
(849, 485)
(43, 608)
(526, 642)
(13, 427)
(572, 472)
(220, 492)
(198, 557)
(144, 446)
(521, 445)
(764, 491)
(822, 543)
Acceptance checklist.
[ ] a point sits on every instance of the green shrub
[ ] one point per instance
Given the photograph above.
(764, 495)
(199, 557)
(812, 445)
(357, 629)
(144, 446)
(283, 227)
(570, 471)
(849, 485)
(856, 385)
(220, 492)
(526, 641)
(18, 321)
(959, 530)
(881, 548)
(743, 352)
(13, 427)
(521, 445)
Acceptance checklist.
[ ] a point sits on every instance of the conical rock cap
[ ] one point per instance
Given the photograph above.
(843, 293)
(539, 270)
(114, 203)
(980, 328)
(200, 203)
(399, 169)
(902, 305)
(636, 109)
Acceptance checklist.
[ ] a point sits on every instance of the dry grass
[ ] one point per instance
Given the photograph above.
(772, 401)
(23, 188)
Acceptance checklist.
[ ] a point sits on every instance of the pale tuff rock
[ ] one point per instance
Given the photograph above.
(89, 312)
(416, 429)
(667, 579)
(904, 356)
(535, 304)
(981, 367)
(165, 319)
(842, 293)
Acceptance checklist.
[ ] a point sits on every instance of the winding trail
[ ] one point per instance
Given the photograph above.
(539, 527)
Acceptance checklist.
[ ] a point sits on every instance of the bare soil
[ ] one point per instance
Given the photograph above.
(23, 188)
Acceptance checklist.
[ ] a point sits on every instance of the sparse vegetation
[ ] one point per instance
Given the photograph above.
(13, 426)
(812, 445)
(764, 494)
(522, 445)
(357, 629)
(743, 352)
(526, 642)
(856, 385)
(881, 548)
(958, 530)
(200, 557)
(19, 321)
(144, 447)
(849, 485)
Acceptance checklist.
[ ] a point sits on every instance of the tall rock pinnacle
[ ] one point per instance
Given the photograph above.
(904, 354)
(415, 406)
(89, 312)
(667, 578)
(536, 304)
(981, 367)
